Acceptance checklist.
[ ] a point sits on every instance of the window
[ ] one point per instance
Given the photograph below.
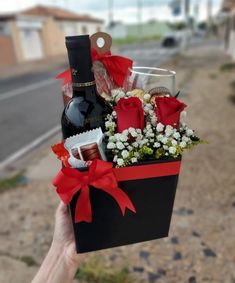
(4, 29)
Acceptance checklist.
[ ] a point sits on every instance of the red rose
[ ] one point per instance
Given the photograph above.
(168, 110)
(130, 113)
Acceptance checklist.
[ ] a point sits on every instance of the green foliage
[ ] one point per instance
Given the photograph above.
(177, 94)
(232, 85)
(93, 271)
(28, 260)
(12, 182)
(132, 40)
(159, 153)
(227, 67)
(196, 142)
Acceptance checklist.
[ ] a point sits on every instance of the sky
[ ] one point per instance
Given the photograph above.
(123, 10)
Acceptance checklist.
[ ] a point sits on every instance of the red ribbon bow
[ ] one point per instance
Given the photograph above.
(100, 175)
(116, 66)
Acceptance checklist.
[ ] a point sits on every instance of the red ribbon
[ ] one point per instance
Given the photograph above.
(65, 76)
(100, 175)
(116, 66)
(147, 171)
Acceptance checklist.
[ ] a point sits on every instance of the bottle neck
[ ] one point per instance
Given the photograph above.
(88, 93)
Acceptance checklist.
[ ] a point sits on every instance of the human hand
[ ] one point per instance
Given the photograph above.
(62, 261)
(63, 238)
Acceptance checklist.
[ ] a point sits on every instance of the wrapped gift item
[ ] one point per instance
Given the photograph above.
(120, 206)
(109, 70)
(120, 182)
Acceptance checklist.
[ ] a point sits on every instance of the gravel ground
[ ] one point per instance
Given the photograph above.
(201, 245)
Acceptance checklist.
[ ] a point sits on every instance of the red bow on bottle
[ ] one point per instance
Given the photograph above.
(100, 175)
(116, 66)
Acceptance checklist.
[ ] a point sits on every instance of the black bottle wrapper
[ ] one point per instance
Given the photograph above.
(79, 53)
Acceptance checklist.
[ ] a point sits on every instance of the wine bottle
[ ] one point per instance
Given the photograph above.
(86, 110)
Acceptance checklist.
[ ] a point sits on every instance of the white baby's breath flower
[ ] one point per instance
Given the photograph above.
(165, 147)
(176, 135)
(131, 129)
(148, 126)
(150, 134)
(169, 130)
(112, 139)
(150, 106)
(133, 134)
(189, 132)
(136, 154)
(133, 159)
(147, 97)
(183, 144)
(146, 110)
(153, 120)
(111, 145)
(164, 140)
(117, 136)
(135, 144)
(123, 138)
(174, 142)
(138, 131)
(114, 113)
(156, 144)
(117, 94)
(120, 162)
(125, 132)
(108, 124)
(130, 147)
(172, 149)
(115, 158)
(125, 154)
(120, 145)
(160, 137)
(185, 139)
(129, 93)
(160, 127)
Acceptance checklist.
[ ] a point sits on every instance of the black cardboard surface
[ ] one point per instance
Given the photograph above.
(153, 199)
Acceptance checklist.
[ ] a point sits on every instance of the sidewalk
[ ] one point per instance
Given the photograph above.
(32, 66)
(201, 244)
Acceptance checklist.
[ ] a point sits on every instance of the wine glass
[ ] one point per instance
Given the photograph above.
(151, 80)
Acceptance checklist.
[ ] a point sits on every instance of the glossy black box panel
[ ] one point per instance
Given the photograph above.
(153, 199)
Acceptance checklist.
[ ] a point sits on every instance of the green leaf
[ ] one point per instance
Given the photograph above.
(177, 94)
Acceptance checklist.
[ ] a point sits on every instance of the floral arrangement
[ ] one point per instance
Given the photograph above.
(143, 127)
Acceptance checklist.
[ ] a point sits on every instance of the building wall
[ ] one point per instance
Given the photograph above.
(70, 28)
(16, 40)
(7, 54)
(231, 45)
(53, 38)
(52, 34)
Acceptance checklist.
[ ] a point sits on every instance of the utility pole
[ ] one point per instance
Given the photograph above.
(186, 21)
(139, 17)
(110, 12)
(209, 15)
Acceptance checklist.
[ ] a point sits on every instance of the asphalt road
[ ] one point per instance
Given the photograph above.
(31, 105)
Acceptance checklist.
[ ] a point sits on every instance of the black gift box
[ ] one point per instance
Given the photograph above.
(151, 188)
